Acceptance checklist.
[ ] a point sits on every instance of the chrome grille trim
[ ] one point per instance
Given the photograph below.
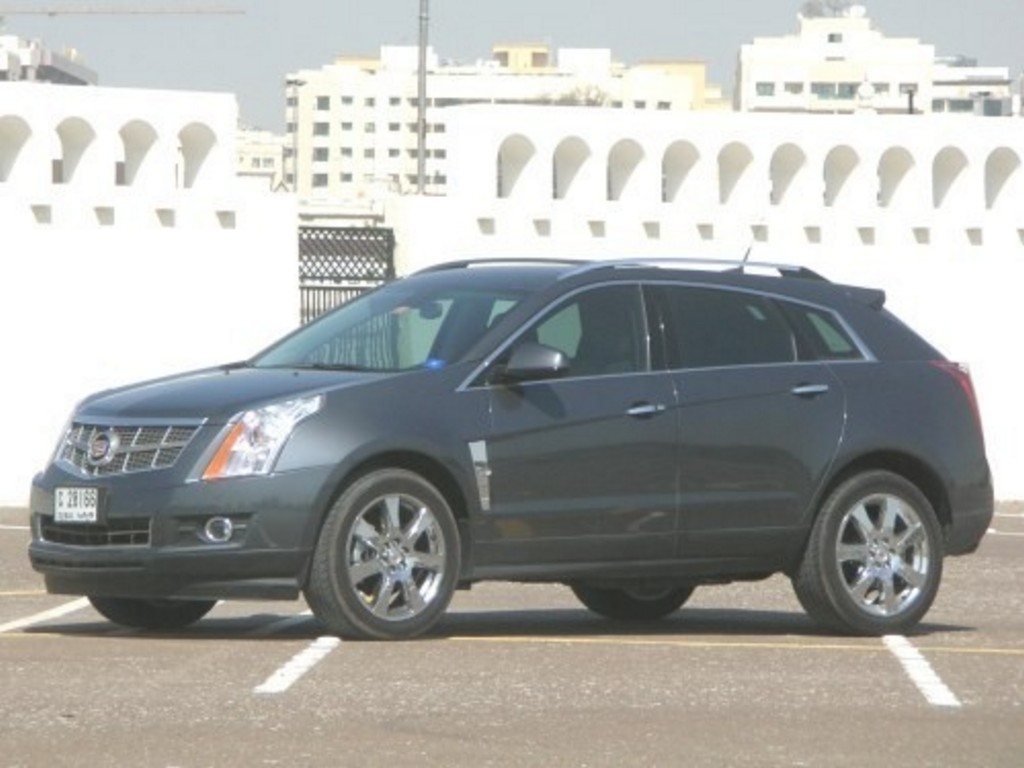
(140, 448)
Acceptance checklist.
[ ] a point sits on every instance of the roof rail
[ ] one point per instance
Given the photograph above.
(745, 267)
(500, 261)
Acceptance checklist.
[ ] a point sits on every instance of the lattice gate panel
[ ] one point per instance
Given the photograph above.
(336, 264)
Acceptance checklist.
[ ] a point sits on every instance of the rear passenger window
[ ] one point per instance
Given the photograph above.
(822, 332)
(710, 328)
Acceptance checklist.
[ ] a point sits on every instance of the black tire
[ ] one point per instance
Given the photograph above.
(873, 561)
(639, 604)
(387, 559)
(152, 614)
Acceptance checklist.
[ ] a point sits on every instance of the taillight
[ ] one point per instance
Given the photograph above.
(962, 374)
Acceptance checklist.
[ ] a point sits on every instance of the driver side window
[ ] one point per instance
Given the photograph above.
(601, 331)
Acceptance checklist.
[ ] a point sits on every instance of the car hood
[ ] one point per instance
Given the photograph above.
(214, 394)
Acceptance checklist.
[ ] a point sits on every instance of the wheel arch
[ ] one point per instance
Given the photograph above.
(435, 472)
(907, 466)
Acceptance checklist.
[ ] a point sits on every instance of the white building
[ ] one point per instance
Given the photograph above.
(929, 208)
(261, 156)
(353, 125)
(30, 60)
(128, 249)
(842, 64)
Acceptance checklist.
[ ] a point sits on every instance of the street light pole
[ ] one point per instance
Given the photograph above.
(421, 121)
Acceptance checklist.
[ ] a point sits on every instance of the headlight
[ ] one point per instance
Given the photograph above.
(257, 437)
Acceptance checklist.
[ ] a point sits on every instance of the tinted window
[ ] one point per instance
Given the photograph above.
(601, 331)
(822, 333)
(710, 328)
(408, 324)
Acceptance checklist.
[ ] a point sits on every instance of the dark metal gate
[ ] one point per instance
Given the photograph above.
(337, 264)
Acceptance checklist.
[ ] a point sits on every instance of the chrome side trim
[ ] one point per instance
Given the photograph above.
(482, 470)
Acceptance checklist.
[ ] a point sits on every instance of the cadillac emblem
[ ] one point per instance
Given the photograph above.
(102, 449)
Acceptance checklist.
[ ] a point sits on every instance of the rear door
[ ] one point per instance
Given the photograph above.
(759, 424)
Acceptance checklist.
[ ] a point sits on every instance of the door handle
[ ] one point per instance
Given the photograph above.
(809, 390)
(645, 410)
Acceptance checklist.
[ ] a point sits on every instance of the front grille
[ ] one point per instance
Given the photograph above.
(127, 532)
(134, 449)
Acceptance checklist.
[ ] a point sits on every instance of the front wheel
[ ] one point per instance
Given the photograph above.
(152, 614)
(634, 603)
(387, 560)
(873, 562)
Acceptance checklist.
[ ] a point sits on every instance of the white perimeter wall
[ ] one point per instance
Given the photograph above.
(929, 209)
(104, 283)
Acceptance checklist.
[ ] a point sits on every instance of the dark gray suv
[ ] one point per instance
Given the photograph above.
(630, 429)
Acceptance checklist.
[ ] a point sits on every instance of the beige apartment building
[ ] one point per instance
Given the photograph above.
(352, 125)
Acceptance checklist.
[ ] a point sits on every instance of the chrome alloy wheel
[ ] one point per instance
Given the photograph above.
(883, 555)
(395, 556)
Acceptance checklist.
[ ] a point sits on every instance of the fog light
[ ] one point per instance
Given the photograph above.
(218, 530)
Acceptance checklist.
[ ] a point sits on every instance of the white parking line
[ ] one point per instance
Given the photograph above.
(920, 672)
(53, 613)
(15, 528)
(301, 663)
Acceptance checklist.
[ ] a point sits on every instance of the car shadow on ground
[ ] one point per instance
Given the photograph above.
(541, 624)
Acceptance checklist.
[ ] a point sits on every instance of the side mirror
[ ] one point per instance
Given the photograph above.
(531, 361)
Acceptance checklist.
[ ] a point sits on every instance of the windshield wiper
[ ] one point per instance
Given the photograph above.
(343, 367)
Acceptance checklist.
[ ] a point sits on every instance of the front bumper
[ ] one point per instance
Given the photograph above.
(148, 541)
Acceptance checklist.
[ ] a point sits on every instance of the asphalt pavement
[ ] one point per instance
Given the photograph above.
(521, 676)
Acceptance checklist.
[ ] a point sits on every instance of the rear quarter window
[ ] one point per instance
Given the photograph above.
(822, 333)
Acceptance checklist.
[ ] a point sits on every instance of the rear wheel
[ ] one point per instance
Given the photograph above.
(152, 614)
(873, 562)
(387, 560)
(641, 603)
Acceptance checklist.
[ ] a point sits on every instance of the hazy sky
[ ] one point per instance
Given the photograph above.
(250, 55)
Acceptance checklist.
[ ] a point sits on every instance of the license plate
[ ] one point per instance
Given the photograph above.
(76, 505)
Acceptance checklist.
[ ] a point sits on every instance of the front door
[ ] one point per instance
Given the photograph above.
(583, 468)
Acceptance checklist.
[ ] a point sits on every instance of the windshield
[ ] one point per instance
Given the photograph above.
(405, 325)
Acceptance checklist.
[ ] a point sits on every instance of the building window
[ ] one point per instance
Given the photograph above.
(847, 90)
(795, 88)
(765, 89)
(824, 90)
(413, 127)
(639, 105)
(346, 126)
(290, 128)
(394, 153)
(961, 105)
(346, 101)
(321, 129)
(394, 127)
(319, 180)
(906, 88)
(369, 153)
(291, 101)
(664, 105)
(346, 151)
(440, 154)
(395, 101)
(321, 154)
(346, 178)
(438, 128)
(323, 103)
(835, 37)
(370, 102)
(881, 87)
(370, 127)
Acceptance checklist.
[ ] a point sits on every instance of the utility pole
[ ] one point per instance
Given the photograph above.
(421, 92)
